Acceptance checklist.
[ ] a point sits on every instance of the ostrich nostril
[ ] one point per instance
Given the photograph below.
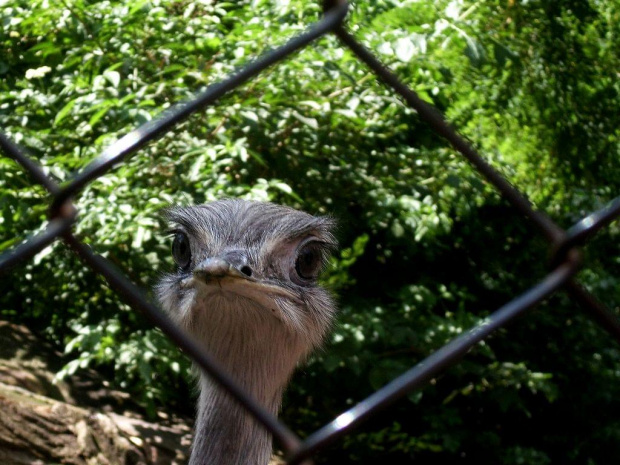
(246, 270)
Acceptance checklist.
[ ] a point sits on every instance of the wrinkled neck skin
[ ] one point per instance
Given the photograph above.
(260, 353)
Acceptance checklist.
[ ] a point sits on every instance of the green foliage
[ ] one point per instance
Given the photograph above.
(428, 248)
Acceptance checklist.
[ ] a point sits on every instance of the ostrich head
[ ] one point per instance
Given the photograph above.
(246, 288)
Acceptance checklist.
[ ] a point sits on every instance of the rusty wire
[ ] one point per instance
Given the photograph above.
(563, 244)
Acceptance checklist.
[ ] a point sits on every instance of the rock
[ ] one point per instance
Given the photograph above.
(74, 422)
(79, 421)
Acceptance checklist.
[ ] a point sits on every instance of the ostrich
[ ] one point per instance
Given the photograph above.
(246, 288)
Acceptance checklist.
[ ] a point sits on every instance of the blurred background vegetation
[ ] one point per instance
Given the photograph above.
(428, 247)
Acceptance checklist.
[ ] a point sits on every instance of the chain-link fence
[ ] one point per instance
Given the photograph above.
(564, 244)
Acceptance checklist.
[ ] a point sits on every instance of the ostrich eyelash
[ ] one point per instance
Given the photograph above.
(173, 232)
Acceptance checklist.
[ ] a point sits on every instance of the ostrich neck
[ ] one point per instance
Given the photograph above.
(226, 433)
(261, 362)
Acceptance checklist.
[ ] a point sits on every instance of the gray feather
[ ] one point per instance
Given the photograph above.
(259, 329)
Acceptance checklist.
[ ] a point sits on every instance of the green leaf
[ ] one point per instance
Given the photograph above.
(113, 77)
(97, 116)
(64, 111)
(312, 122)
(475, 52)
(404, 49)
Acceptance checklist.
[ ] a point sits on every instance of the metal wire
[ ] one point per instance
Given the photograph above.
(440, 360)
(563, 243)
(136, 298)
(136, 139)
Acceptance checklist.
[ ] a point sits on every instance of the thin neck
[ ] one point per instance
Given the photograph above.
(226, 433)
(261, 363)
(260, 354)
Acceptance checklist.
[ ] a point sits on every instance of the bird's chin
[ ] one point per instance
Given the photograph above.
(234, 290)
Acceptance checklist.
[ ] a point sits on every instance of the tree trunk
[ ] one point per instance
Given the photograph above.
(43, 422)
(39, 430)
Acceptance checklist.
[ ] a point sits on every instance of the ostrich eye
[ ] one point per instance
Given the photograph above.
(308, 262)
(181, 251)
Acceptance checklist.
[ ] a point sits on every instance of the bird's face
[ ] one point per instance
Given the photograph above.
(246, 269)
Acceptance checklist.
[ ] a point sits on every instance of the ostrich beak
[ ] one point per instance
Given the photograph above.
(238, 279)
(217, 268)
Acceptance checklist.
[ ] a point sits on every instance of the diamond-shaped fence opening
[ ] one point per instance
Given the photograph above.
(564, 244)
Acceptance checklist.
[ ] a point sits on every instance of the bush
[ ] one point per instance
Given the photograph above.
(533, 84)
